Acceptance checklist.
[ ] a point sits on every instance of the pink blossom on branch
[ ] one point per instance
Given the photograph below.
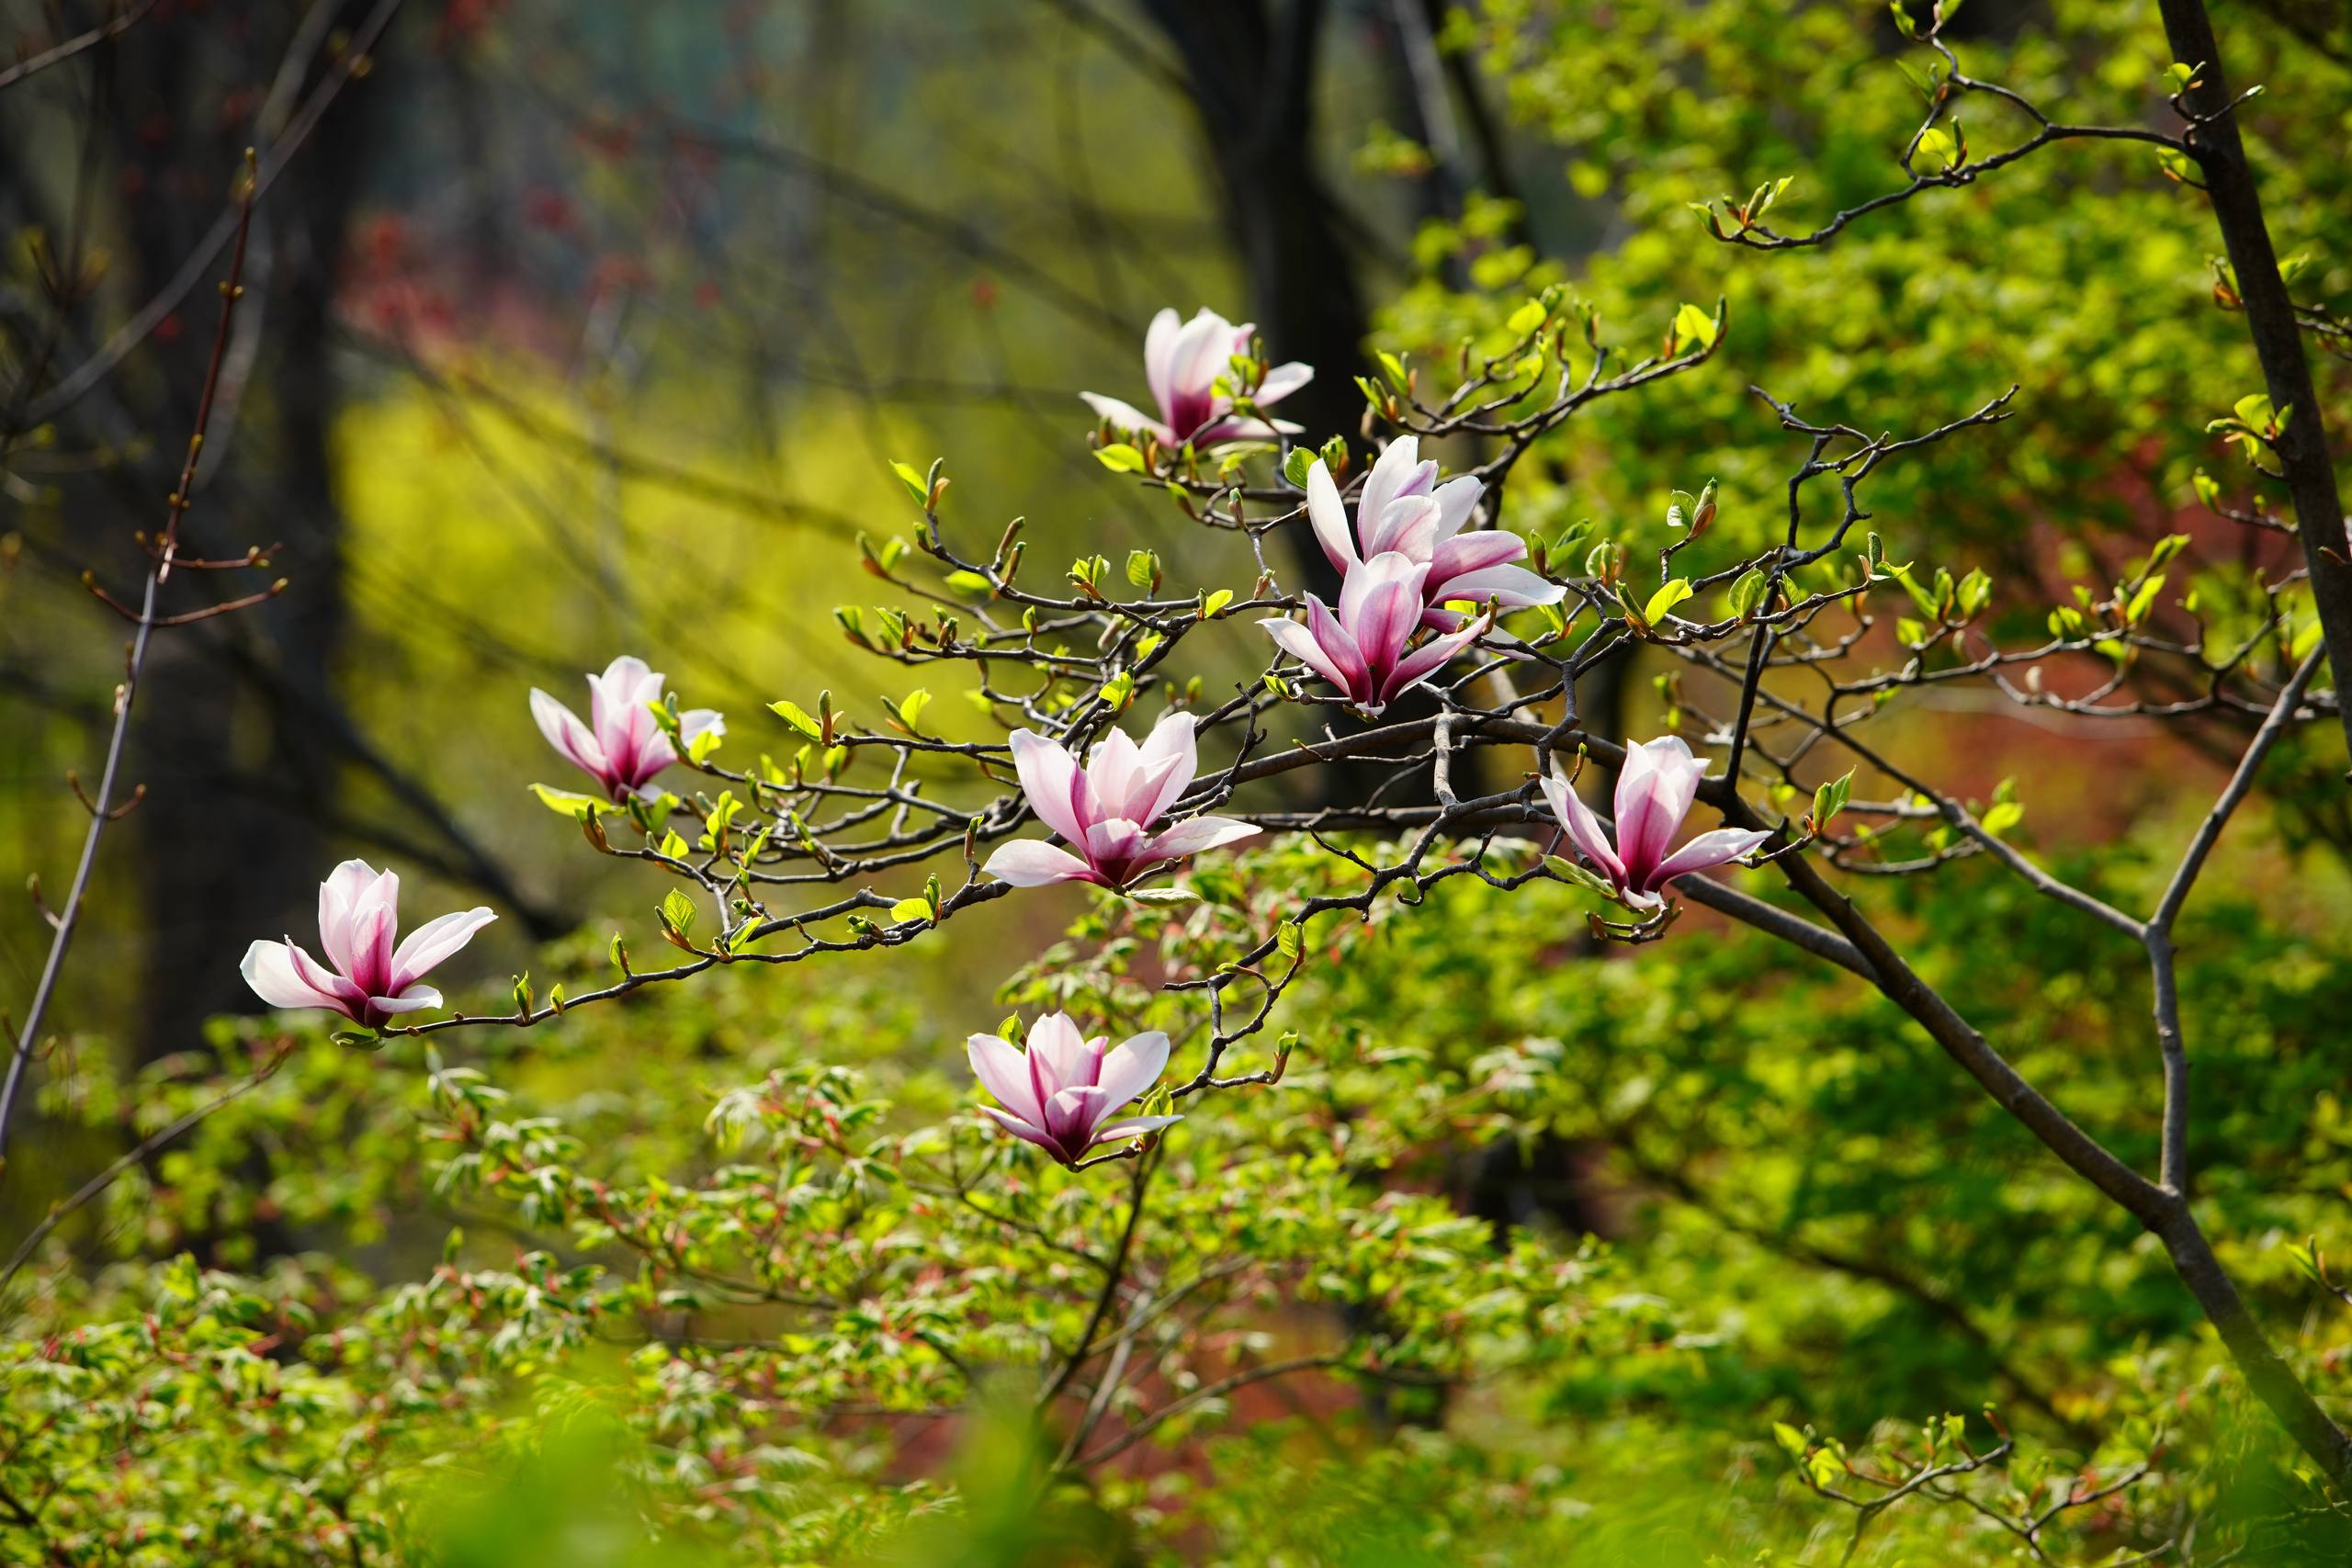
(370, 980)
(621, 746)
(1062, 1093)
(1364, 648)
(1655, 789)
(1181, 364)
(1105, 810)
(1403, 508)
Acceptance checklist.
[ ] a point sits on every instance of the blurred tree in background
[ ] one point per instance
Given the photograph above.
(572, 330)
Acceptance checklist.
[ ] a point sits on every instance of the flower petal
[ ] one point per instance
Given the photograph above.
(1328, 514)
(1509, 586)
(1391, 475)
(1131, 1067)
(1003, 1071)
(268, 969)
(1281, 381)
(414, 999)
(338, 899)
(618, 713)
(1387, 614)
(1471, 552)
(1584, 829)
(1195, 834)
(1408, 528)
(1029, 862)
(433, 941)
(1304, 646)
(375, 922)
(1457, 501)
(1719, 847)
(1132, 1127)
(1160, 356)
(566, 733)
(1111, 770)
(1129, 418)
(1110, 849)
(1051, 780)
(1428, 659)
(322, 980)
(1655, 789)
(1022, 1130)
(1058, 1058)
(1172, 755)
(1072, 1115)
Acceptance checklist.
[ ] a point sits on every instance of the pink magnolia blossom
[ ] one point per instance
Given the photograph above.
(1403, 508)
(1363, 649)
(1105, 810)
(371, 979)
(621, 746)
(1061, 1093)
(1655, 789)
(1181, 364)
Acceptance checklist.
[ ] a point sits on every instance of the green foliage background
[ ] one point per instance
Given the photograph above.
(733, 1273)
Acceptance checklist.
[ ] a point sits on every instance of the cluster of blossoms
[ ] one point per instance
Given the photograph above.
(1182, 364)
(1655, 789)
(1418, 586)
(1105, 809)
(621, 746)
(370, 980)
(1406, 564)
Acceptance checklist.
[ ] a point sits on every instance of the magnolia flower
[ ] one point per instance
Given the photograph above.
(1105, 809)
(371, 980)
(621, 746)
(1181, 364)
(1362, 650)
(1403, 508)
(1655, 789)
(1061, 1093)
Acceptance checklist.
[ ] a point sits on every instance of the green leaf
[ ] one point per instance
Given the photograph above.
(1747, 593)
(565, 803)
(1580, 875)
(1213, 605)
(2000, 817)
(793, 714)
(1527, 318)
(1830, 799)
(1119, 457)
(1691, 326)
(1938, 150)
(917, 486)
(1929, 607)
(1295, 465)
(1143, 568)
(911, 910)
(678, 912)
(1662, 603)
